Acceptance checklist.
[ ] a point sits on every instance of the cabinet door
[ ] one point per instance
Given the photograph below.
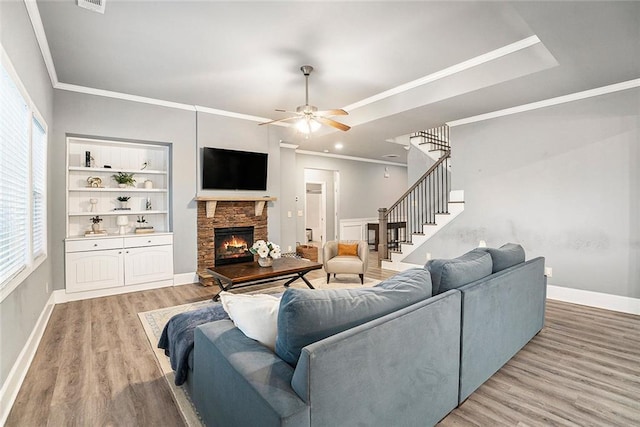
(150, 264)
(87, 271)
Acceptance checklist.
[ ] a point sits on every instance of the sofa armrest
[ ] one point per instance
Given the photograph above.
(239, 382)
(500, 314)
(399, 369)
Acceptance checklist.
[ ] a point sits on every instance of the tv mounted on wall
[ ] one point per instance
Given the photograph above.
(233, 170)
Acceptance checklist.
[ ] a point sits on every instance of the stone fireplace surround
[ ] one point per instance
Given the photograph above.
(218, 212)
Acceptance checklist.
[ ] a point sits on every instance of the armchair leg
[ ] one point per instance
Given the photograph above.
(361, 279)
(328, 276)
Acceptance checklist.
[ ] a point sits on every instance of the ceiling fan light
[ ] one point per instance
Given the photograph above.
(307, 125)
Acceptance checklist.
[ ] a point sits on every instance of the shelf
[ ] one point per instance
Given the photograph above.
(118, 189)
(121, 212)
(211, 202)
(114, 171)
(116, 235)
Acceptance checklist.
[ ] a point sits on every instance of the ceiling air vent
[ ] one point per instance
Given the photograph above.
(94, 5)
(390, 156)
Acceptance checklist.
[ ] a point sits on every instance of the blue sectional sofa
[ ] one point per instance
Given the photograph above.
(405, 352)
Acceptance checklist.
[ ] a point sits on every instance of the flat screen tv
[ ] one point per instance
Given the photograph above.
(233, 170)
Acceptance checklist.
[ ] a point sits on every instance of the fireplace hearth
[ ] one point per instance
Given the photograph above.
(232, 245)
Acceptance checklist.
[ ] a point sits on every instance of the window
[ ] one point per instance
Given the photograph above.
(23, 182)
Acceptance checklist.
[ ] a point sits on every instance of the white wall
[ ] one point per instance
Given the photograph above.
(563, 181)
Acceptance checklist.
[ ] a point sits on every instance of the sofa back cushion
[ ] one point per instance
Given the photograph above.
(310, 315)
(506, 256)
(452, 273)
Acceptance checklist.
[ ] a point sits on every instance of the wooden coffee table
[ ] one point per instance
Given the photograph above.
(250, 273)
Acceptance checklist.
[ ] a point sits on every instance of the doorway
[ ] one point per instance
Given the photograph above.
(315, 209)
(321, 205)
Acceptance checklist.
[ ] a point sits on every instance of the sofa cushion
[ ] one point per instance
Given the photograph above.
(255, 315)
(506, 256)
(452, 273)
(310, 315)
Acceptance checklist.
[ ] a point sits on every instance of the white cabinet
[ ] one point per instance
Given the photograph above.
(113, 260)
(109, 262)
(142, 265)
(87, 271)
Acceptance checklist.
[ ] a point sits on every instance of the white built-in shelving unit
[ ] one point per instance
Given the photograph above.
(114, 260)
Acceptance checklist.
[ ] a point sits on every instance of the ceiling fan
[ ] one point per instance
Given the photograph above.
(309, 119)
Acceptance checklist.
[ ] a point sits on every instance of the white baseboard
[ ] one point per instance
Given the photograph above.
(61, 295)
(594, 299)
(185, 278)
(18, 372)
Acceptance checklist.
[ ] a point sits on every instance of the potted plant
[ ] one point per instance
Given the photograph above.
(141, 221)
(266, 251)
(124, 200)
(124, 179)
(95, 226)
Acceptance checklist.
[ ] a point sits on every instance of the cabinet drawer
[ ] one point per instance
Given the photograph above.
(93, 245)
(141, 241)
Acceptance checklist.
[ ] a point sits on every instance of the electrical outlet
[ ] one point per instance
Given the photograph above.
(289, 214)
(548, 271)
(289, 249)
(428, 256)
(46, 287)
(299, 213)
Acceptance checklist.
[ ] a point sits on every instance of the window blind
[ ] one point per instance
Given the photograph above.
(14, 179)
(38, 189)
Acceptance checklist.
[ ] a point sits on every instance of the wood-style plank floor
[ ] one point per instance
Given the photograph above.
(94, 367)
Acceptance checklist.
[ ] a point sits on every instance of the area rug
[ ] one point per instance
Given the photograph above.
(153, 323)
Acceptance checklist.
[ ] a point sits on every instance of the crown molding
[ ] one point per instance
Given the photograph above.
(287, 145)
(449, 71)
(604, 90)
(41, 37)
(353, 158)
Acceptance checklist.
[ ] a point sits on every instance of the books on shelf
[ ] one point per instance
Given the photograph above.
(144, 230)
(92, 233)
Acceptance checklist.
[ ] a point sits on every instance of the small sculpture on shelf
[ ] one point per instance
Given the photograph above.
(92, 204)
(124, 200)
(94, 182)
(124, 179)
(148, 204)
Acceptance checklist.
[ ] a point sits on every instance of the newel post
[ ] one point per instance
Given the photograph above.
(382, 236)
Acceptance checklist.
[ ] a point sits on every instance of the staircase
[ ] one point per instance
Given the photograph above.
(423, 209)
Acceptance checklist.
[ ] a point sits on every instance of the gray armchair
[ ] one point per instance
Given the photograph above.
(345, 264)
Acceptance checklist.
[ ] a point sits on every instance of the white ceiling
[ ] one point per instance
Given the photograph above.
(244, 57)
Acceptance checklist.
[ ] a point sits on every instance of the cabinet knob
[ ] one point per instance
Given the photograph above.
(119, 252)
(95, 244)
(127, 251)
(148, 241)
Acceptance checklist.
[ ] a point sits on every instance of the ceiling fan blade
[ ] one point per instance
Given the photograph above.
(332, 123)
(286, 111)
(278, 120)
(327, 113)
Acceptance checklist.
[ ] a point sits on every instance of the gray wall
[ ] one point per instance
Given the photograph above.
(363, 187)
(20, 310)
(81, 114)
(563, 181)
(243, 135)
(417, 164)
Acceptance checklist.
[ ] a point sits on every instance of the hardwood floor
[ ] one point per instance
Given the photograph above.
(94, 367)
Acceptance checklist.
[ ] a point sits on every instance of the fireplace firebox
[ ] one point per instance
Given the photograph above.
(232, 245)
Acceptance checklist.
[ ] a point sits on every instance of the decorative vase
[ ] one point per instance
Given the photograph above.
(265, 262)
(95, 227)
(122, 185)
(124, 205)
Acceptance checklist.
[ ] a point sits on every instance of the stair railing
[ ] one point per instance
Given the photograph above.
(421, 202)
